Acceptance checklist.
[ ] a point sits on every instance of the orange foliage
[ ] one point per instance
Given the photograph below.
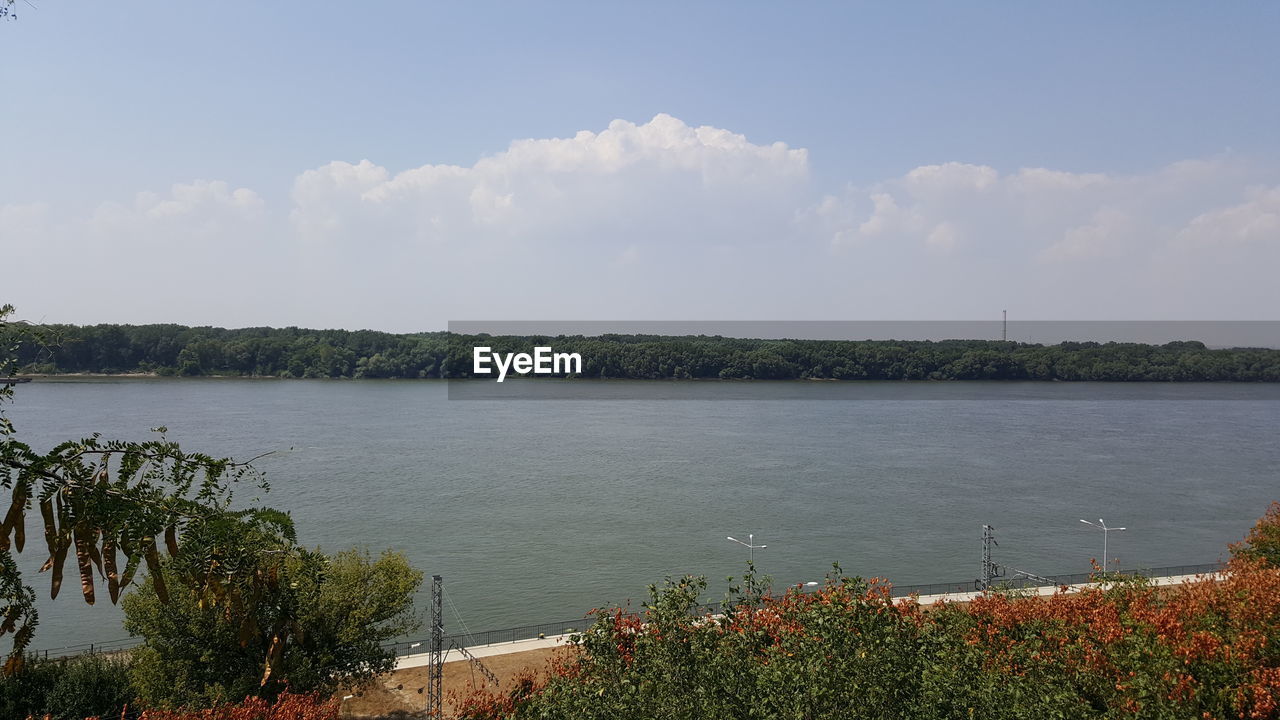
(1204, 645)
(286, 707)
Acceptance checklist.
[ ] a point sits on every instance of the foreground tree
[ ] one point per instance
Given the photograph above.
(336, 611)
(114, 506)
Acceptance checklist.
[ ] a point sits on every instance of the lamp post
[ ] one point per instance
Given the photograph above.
(1105, 531)
(750, 545)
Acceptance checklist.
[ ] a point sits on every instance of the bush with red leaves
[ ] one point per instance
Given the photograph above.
(287, 706)
(1208, 650)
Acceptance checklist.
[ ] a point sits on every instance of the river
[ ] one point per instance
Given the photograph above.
(541, 510)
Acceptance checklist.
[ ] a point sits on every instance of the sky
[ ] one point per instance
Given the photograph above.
(397, 166)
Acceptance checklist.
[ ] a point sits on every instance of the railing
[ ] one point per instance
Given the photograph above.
(109, 646)
(495, 637)
(1067, 579)
(549, 629)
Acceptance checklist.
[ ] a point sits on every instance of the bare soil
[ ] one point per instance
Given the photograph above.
(403, 694)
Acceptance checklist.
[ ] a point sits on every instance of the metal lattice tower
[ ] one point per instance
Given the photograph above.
(990, 570)
(435, 665)
(475, 663)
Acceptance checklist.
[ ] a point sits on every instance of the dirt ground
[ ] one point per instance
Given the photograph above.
(402, 694)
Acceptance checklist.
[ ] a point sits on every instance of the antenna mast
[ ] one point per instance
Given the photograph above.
(435, 664)
(990, 570)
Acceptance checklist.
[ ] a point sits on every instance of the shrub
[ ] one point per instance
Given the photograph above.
(340, 609)
(80, 687)
(287, 706)
(1127, 649)
(1263, 541)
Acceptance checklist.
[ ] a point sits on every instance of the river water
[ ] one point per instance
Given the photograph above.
(541, 510)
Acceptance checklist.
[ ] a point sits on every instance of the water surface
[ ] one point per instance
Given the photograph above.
(539, 511)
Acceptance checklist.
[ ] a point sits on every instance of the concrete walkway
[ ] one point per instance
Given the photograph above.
(483, 651)
(1051, 589)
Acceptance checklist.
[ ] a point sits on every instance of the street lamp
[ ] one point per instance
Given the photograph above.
(750, 545)
(1105, 531)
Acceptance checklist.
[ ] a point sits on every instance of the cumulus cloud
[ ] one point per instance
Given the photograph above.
(1052, 215)
(189, 213)
(1256, 220)
(659, 182)
(187, 254)
(659, 220)
(1068, 244)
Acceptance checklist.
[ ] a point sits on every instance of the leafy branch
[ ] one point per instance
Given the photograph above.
(115, 505)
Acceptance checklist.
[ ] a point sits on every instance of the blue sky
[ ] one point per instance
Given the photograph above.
(131, 130)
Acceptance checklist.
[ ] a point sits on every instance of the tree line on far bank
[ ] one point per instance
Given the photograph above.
(301, 353)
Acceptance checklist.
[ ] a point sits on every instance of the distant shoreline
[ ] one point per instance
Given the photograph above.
(159, 351)
(726, 381)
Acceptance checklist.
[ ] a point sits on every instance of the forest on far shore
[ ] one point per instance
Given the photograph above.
(300, 353)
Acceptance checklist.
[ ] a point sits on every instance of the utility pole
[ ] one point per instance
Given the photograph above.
(1004, 326)
(990, 570)
(435, 665)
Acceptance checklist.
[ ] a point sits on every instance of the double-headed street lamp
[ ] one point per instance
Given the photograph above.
(750, 545)
(1105, 531)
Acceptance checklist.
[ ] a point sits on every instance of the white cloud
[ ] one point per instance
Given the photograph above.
(190, 213)
(658, 220)
(1256, 220)
(950, 177)
(943, 237)
(1103, 236)
(651, 183)
(1051, 215)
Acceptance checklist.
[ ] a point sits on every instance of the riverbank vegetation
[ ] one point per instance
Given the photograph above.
(1127, 649)
(296, 353)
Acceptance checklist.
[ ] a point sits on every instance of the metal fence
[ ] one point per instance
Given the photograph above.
(550, 629)
(1056, 580)
(495, 637)
(109, 646)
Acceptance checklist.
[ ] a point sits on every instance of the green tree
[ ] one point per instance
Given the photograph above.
(106, 501)
(1263, 541)
(335, 611)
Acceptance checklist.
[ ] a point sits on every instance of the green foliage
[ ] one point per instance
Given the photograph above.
(328, 615)
(250, 612)
(103, 501)
(294, 352)
(72, 689)
(1263, 541)
(851, 656)
(356, 605)
(1129, 649)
